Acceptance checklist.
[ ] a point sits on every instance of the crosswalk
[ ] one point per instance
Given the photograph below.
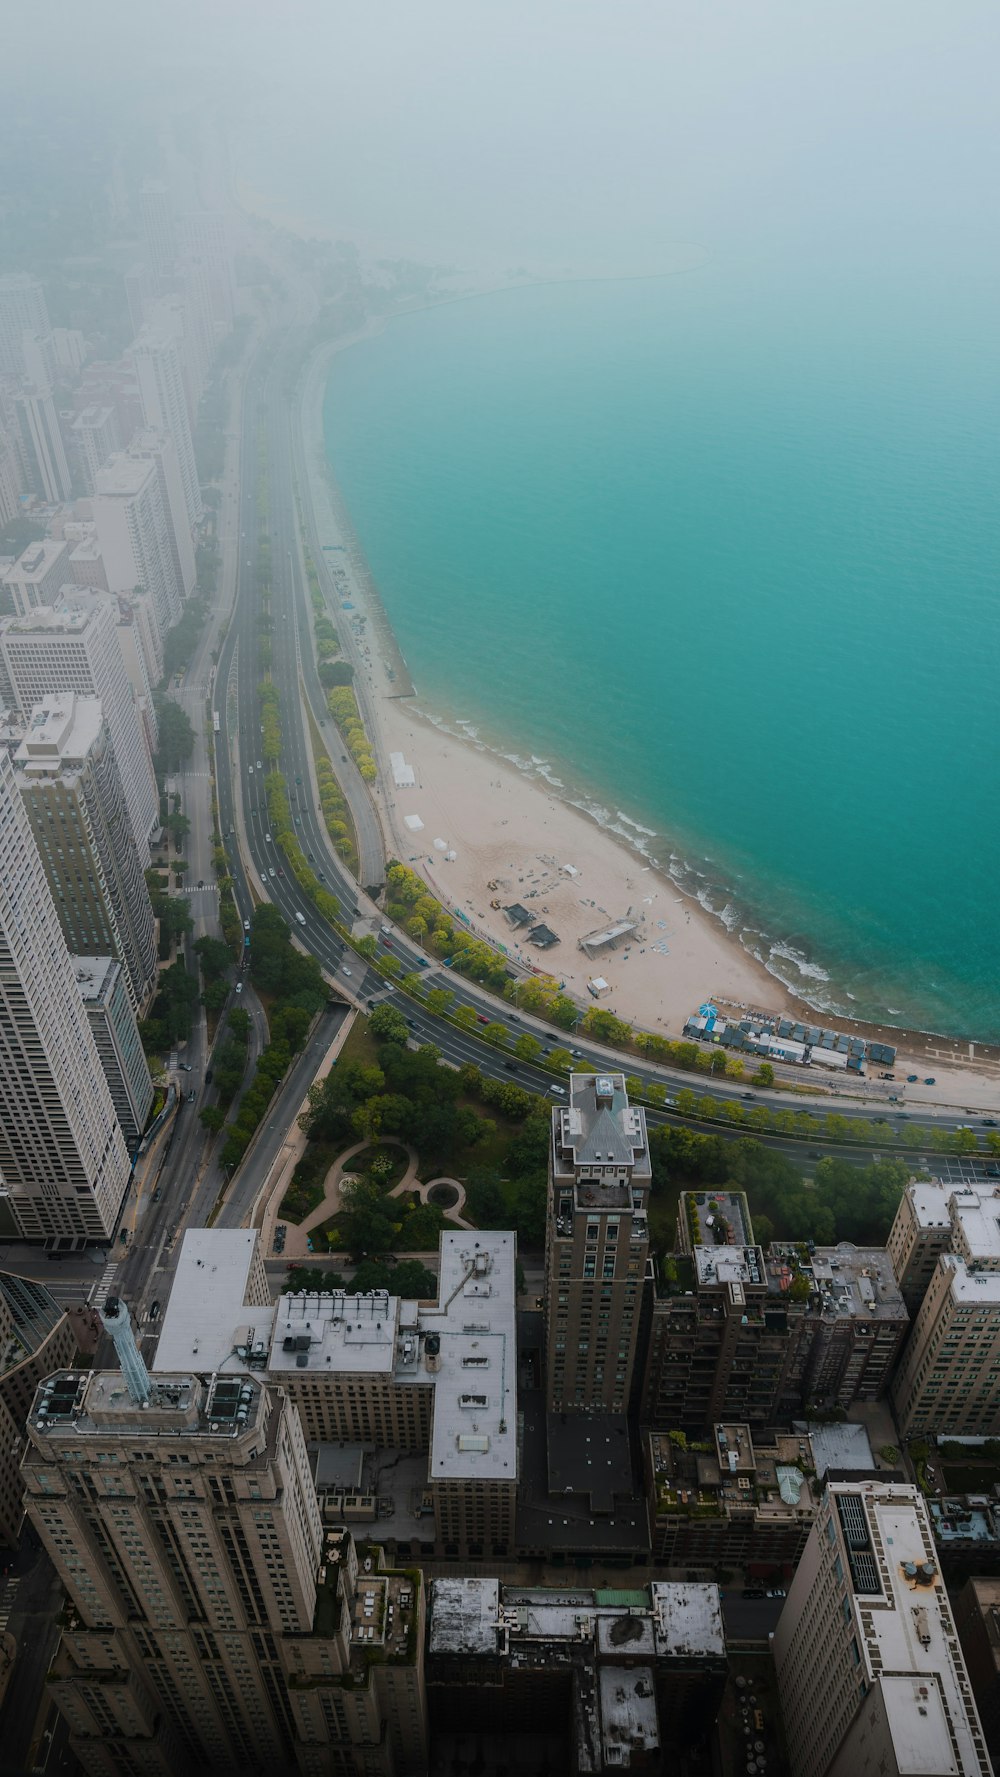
(8, 1601)
(105, 1286)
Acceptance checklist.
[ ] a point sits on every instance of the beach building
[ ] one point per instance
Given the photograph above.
(596, 1245)
(870, 1672)
(419, 1377)
(609, 937)
(613, 1676)
(773, 1038)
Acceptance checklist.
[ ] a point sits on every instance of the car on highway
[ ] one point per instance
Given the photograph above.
(154, 1312)
(509, 1065)
(250, 770)
(260, 765)
(989, 1122)
(577, 1054)
(481, 1018)
(280, 870)
(185, 1067)
(310, 857)
(273, 871)
(347, 971)
(239, 987)
(298, 780)
(208, 1076)
(746, 1094)
(267, 838)
(192, 1095)
(246, 925)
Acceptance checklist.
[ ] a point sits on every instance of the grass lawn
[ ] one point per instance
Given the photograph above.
(359, 1045)
(389, 1150)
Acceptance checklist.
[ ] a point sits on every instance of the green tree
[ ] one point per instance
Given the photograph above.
(465, 1017)
(176, 735)
(178, 826)
(561, 1059)
(212, 1117)
(370, 1218)
(439, 1001)
(764, 1075)
(215, 957)
(496, 1034)
(527, 1047)
(215, 995)
(387, 1025)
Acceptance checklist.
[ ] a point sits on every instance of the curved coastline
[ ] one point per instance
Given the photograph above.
(734, 930)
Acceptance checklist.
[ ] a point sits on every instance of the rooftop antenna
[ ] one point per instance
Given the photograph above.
(117, 1322)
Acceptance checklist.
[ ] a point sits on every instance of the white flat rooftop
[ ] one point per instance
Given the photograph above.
(122, 476)
(207, 1313)
(930, 1204)
(464, 1616)
(918, 1721)
(62, 729)
(977, 1213)
(688, 1618)
(972, 1286)
(630, 1731)
(335, 1334)
(728, 1264)
(474, 1431)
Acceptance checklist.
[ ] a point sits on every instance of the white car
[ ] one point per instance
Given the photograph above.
(239, 987)
(345, 971)
(267, 838)
(246, 925)
(260, 766)
(250, 770)
(274, 872)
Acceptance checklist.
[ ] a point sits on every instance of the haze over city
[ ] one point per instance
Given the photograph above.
(499, 1027)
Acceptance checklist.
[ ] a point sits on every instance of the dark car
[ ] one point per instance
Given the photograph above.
(911, 1079)
(154, 1311)
(930, 1081)
(481, 1018)
(753, 1592)
(208, 1076)
(509, 1065)
(989, 1122)
(746, 1094)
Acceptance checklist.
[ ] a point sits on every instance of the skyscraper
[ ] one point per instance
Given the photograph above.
(63, 1162)
(157, 216)
(156, 358)
(40, 441)
(870, 1672)
(596, 1242)
(72, 789)
(104, 989)
(159, 448)
(37, 576)
(23, 309)
(95, 433)
(212, 1626)
(135, 534)
(75, 647)
(203, 236)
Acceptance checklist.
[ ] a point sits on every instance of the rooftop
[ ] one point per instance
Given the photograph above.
(836, 1447)
(92, 973)
(975, 1217)
(630, 1728)
(206, 1312)
(597, 1132)
(893, 1563)
(98, 1404)
(969, 1286)
(36, 562)
(337, 1333)
(474, 1430)
(122, 476)
(61, 731)
(465, 1615)
(856, 1281)
(719, 1218)
(729, 1264)
(664, 1620)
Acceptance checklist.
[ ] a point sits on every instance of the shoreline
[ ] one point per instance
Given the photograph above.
(453, 779)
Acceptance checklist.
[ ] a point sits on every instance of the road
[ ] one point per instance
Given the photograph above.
(30, 1597)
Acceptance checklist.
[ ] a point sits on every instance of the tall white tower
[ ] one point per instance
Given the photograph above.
(156, 358)
(63, 1162)
(23, 309)
(75, 647)
(135, 534)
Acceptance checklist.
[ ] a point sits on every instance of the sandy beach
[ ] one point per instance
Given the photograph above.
(485, 835)
(491, 838)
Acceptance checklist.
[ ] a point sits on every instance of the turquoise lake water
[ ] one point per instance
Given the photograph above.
(726, 557)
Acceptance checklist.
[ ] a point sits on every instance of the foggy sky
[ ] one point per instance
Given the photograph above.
(546, 131)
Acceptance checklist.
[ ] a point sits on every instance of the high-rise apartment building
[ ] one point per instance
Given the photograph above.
(40, 443)
(203, 236)
(977, 1618)
(922, 1231)
(157, 361)
(212, 1626)
(75, 646)
(158, 448)
(140, 291)
(157, 215)
(135, 535)
(870, 1673)
(948, 1379)
(96, 436)
(63, 1161)
(72, 789)
(10, 471)
(23, 309)
(596, 1245)
(104, 990)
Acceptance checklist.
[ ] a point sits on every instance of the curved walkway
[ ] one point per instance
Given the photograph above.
(297, 1236)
